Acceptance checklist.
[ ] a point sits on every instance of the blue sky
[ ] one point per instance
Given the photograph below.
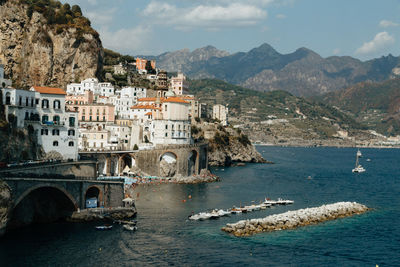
(363, 29)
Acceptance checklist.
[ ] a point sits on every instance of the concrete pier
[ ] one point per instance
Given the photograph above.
(294, 219)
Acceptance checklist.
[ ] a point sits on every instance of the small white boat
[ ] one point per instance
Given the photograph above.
(284, 201)
(270, 201)
(358, 168)
(103, 227)
(129, 227)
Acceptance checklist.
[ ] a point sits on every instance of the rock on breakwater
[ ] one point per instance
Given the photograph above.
(294, 219)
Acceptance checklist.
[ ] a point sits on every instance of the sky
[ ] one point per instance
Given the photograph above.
(363, 29)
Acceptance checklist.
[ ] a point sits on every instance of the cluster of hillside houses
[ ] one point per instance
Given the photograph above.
(95, 116)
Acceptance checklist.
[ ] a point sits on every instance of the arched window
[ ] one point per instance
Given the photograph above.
(45, 103)
(71, 143)
(55, 143)
(8, 98)
(56, 104)
(71, 132)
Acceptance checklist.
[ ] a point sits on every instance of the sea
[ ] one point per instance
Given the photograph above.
(165, 237)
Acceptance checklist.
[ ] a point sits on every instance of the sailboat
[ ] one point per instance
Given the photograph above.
(358, 168)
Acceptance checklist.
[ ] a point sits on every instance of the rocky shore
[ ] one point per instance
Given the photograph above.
(5, 205)
(205, 176)
(102, 214)
(294, 219)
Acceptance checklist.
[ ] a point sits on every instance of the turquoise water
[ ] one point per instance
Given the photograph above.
(166, 237)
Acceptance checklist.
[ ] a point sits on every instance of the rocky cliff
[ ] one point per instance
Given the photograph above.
(5, 205)
(226, 145)
(38, 51)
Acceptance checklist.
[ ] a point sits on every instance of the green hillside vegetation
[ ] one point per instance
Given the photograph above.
(61, 16)
(375, 104)
(113, 58)
(254, 106)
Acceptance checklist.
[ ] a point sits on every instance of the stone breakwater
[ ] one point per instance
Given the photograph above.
(294, 219)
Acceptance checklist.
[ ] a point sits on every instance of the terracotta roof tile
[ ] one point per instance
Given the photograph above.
(176, 100)
(49, 90)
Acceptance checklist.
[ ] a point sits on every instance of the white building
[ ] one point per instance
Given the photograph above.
(220, 112)
(91, 84)
(58, 129)
(21, 104)
(171, 124)
(44, 109)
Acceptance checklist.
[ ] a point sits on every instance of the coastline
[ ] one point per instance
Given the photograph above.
(326, 145)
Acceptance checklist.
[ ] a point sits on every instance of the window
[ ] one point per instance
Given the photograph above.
(27, 102)
(90, 118)
(26, 115)
(166, 134)
(56, 104)
(32, 102)
(56, 132)
(71, 132)
(20, 100)
(44, 131)
(97, 118)
(45, 119)
(71, 143)
(166, 127)
(83, 118)
(71, 121)
(45, 103)
(37, 101)
(166, 107)
(56, 119)
(104, 118)
(55, 143)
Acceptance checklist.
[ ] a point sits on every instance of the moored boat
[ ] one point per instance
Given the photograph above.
(104, 227)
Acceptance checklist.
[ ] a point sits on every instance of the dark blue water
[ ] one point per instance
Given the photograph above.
(166, 237)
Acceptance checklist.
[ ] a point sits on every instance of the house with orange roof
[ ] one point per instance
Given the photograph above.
(43, 108)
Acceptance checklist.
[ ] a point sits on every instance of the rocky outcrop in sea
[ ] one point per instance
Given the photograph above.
(294, 219)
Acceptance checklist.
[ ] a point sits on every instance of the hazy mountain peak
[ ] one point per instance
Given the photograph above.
(264, 49)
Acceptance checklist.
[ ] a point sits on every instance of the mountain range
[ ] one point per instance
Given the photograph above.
(302, 73)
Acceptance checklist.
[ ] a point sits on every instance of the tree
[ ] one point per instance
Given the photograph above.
(149, 67)
(76, 11)
(135, 147)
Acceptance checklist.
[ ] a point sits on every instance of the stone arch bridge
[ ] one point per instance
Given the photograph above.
(164, 161)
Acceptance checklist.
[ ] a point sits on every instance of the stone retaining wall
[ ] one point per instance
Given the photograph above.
(294, 219)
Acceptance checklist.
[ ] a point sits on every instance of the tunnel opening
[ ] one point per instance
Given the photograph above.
(93, 198)
(42, 205)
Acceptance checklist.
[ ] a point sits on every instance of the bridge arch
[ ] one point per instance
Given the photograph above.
(42, 203)
(95, 192)
(28, 191)
(193, 162)
(168, 164)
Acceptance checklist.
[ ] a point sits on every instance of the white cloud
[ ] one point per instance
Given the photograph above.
(127, 40)
(101, 17)
(387, 23)
(280, 16)
(380, 41)
(206, 16)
